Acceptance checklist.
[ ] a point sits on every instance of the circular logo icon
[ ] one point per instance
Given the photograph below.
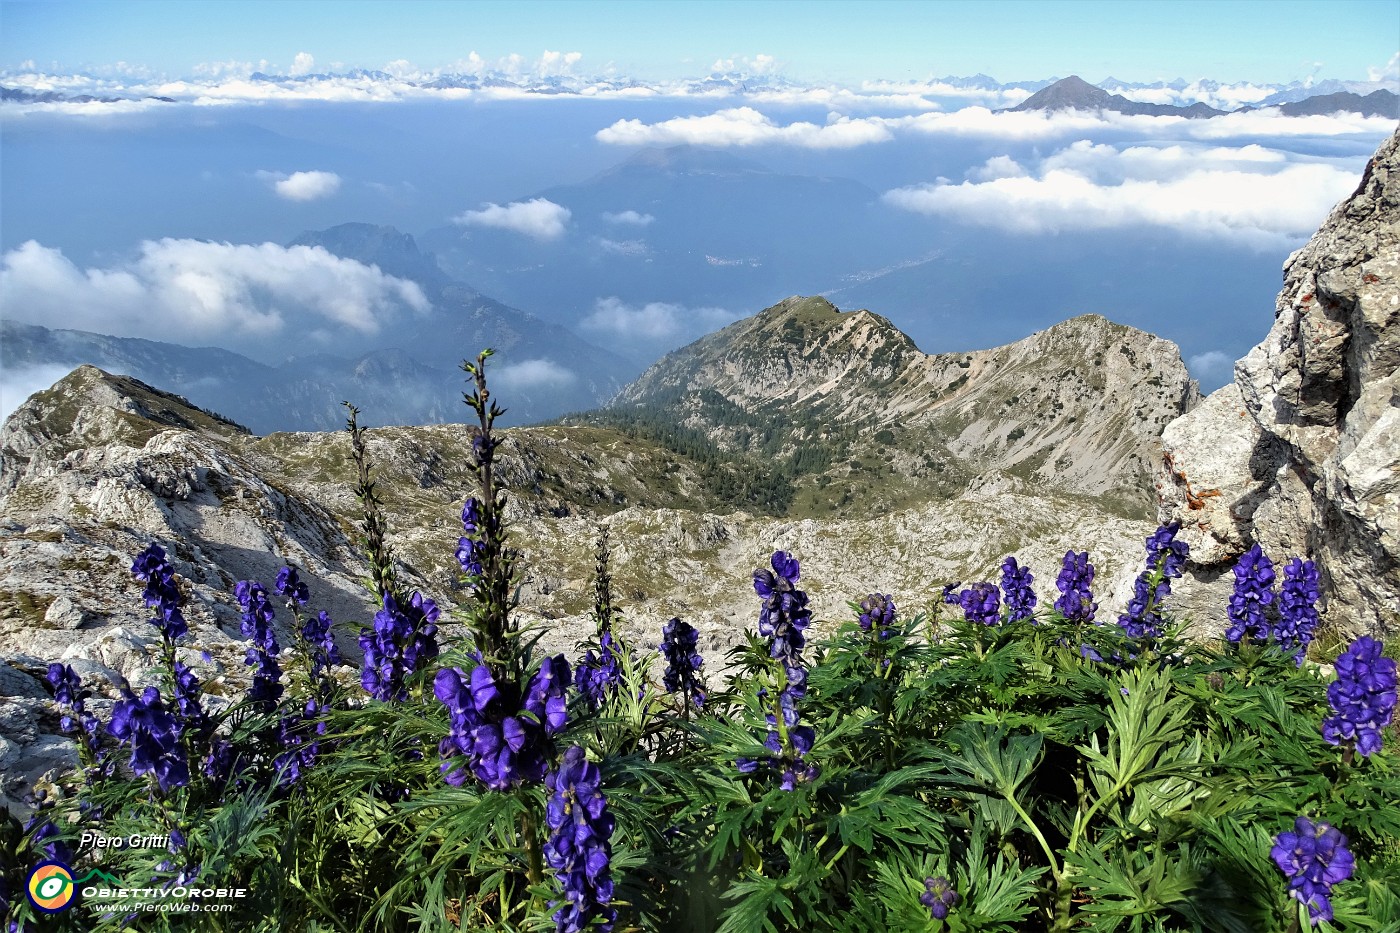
(51, 887)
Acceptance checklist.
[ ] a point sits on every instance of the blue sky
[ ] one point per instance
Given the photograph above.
(1244, 40)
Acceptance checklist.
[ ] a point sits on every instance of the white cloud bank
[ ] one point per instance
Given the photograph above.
(1211, 368)
(303, 64)
(539, 218)
(191, 291)
(1249, 193)
(302, 186)
(745, 126)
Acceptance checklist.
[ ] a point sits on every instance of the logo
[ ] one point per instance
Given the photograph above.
(51, 887)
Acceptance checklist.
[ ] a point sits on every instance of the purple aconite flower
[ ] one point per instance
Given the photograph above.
(1297, 607)
(68, 692)
(598, 674)
(1166, 558)
(506, 742)
(162, 592)
(579, 847)
(41, 829)
(1362, 697)
(290, 587)
(1313, 858)
(877, 615)
(402, 641)
(1016, 588)
(154, 736)
(1254, 593)
(1075, 582)
(679, 643)
(320, 643)
(939, 897)
(981, 603)
(299, 737)
(784, 618)
(256, 626)
(471, 548)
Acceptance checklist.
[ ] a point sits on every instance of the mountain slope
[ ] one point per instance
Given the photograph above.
(1079, 406)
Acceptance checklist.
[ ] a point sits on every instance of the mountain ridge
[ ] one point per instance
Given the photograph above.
(803, 375)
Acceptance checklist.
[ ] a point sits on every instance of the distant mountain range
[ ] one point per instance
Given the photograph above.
(413, 381)
(380, 84)
(1074, 93)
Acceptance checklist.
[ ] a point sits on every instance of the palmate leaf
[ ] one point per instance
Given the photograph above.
(757, 899)
(989, 757)
(1135, 885)
(890, 809)
(1155, 801)
(998, 894)
(1143, 731)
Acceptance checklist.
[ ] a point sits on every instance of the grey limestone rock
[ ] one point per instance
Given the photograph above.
(1301, 453)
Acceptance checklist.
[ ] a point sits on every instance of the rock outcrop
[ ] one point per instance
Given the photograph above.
(1301, 453)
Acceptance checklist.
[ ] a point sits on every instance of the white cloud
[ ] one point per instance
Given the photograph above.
(1390, 71)
(303, 64)
(649, 330)
(1211, 368)
(228, 69)
(533, 374)
(1211, 93)
(18, 383)
(555, 64)
(539, 218)
(1007, 96)
(1030, 124)
(303, 186)
(1271, 122)
(1042, 125)
(838, 99)
(1104, 162)
(760, 64)
(744, 126)
(997, 167)
(195, 291)
(1095, 187)
(629, 217)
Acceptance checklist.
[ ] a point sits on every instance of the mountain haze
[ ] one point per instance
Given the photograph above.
(412, 377)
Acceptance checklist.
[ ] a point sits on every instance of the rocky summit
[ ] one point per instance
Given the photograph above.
(1077, 408)
(1301, 452)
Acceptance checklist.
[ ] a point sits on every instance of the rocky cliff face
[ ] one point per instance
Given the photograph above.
(1078, 407)
(1301, 453)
